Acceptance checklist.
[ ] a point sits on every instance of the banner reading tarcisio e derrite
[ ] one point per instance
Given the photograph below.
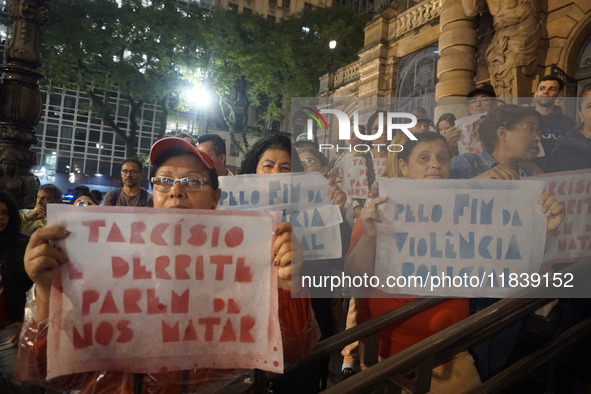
(458, 228)
(302, 199)
(152, 290)
(572, 240)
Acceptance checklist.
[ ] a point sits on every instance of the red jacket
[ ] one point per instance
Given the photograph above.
(299, 332)
(414, 329)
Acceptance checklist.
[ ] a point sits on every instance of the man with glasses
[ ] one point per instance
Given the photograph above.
(132, 194)
(482, 99)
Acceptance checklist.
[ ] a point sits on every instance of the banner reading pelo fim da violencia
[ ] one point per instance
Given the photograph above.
(459, 228)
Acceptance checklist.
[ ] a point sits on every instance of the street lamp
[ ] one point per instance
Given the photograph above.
(200, 96)
(98, 159)
(202, 99)
(332, 44)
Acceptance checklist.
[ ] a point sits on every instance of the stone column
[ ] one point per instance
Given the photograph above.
(456, 67)
(374, 57)
(20, 100)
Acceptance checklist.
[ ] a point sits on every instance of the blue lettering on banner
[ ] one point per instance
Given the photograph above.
(302, 199)
(283, 193)
(464, 201)
(279, 193)
(468, 246)
(312, 244)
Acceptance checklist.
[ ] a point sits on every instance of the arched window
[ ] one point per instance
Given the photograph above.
(583, 68)
(417, 77)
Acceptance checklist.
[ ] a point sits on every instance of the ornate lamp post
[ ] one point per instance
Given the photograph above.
(331, 45)
(20, 99)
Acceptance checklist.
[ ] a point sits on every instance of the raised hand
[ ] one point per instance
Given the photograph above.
(288, 256)
(40, 260)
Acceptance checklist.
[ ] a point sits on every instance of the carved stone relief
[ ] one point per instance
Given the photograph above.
(514, 46)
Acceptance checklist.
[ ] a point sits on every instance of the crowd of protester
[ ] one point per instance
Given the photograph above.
(516, 142)
(185, 173)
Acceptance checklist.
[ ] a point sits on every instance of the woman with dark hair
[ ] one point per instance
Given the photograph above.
(573, 151)
(446, 122)
(313, 161)
(510, 136)
(446, 126)
(14, 284)
(276, 152)
(428, 157)
(275, 155)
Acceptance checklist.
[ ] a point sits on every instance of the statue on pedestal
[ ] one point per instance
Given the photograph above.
(514, 46)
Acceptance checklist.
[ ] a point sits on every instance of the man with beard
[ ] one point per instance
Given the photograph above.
(132, 194)
(554, 123)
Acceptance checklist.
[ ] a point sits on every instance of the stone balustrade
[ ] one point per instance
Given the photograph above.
(411, 19)
(417, 16)
(346, 74)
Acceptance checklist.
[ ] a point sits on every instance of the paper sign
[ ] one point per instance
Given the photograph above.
(302, 199)
(153, 290)
(355, 182)
(572, 240)
(460, 229)
(379, 165)
(468, 141)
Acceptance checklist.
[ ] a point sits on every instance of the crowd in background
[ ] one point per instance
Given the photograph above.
(516, 142)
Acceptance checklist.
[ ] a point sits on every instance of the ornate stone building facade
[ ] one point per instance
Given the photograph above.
(441, 48)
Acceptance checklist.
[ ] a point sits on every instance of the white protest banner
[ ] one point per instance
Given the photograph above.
(572, 240)
(474, 232)
(302, 199)
(152, 290)
(468, 142)
(355, 182)
(379, 165)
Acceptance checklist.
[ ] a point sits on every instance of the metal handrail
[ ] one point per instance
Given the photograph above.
(423, 356)
(432, 351)
(534, 359)
(442, 345)
(373, 326)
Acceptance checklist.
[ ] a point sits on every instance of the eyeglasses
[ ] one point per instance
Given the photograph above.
(130, 172)
(308, 162)
(190, 183)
